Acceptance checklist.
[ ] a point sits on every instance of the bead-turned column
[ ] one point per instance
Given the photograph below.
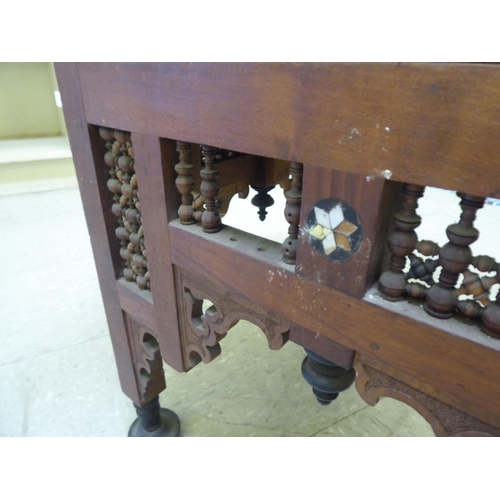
(455, 257)
(210, 220)
(292, 213)
(402, 242)
(185, 182)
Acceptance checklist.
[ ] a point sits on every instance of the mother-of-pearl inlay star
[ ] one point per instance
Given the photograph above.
(332, 229)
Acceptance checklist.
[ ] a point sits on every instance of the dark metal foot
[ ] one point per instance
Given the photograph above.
(326, 378)
(154, 421)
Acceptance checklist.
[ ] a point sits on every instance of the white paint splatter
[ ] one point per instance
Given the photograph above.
(369, 178)
(352, 133)
(387, 128)
(387, 174)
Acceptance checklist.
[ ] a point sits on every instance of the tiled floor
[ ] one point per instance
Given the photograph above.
(57, 371)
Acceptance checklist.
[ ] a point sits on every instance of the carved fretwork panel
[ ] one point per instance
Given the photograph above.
(126, 206)
(201, 331)
(445, 420)
(146, 358)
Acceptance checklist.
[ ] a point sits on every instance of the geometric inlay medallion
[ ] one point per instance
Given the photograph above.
(334, 229)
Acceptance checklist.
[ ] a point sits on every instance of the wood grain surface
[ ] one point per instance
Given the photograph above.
(427, 124)
(459, 366)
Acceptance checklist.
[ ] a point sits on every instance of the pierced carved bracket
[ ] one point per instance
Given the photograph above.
(373, 384)
(146, 359)
(201, 331)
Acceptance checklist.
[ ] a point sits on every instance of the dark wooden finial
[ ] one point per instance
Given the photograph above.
(402, 241)
(292, 213)
(262, 200)
(326, 378)
(210, 220)
(455, 257)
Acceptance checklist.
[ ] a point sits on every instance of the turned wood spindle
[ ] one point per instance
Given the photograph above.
(292, 213)
(210, 220)
(185, 182)
(455, 257)
(402, 241)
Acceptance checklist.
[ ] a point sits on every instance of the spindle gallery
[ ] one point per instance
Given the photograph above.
(350, 149)
(126, 205)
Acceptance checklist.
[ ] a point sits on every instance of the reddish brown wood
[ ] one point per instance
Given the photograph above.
(154, 166)
(447, 418)
(329, 349)
(373, 201)
(357, 128)
(148, 366)
(461, 367)
(202, 331)
(96, 197)
(424, 124)
(136, 303)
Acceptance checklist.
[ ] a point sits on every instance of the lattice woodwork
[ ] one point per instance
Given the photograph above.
(126, 205)
(201, 331)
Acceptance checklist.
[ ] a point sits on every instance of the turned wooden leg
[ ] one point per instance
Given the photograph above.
(154, 421)
(326, 378)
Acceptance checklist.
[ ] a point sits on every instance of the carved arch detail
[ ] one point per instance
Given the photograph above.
(146, 359)
(201, 331)
(373, 384)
